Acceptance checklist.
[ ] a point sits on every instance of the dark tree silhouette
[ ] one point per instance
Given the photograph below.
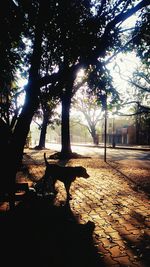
(47, 113)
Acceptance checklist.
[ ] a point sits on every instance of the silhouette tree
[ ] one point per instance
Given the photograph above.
(141, 42)
(47, 113)
(88, 106)
(98, 35)
(80, 34)
(11, 52)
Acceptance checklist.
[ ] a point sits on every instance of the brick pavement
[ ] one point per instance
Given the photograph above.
(120, 214)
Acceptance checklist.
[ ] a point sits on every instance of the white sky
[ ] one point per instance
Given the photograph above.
(122, 68)
(121, 72)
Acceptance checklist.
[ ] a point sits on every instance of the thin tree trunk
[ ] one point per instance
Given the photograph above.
(43, 133)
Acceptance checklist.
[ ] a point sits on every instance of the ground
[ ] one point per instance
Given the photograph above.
(132, 170)
(107, 223)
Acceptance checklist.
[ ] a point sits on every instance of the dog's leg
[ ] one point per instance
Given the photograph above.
(67, 187)
(53, 181)
(51, 185)
(49, 181)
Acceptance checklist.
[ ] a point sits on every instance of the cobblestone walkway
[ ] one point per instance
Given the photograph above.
(120, 214)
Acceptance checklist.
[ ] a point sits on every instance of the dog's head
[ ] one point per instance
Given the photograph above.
(82, 172)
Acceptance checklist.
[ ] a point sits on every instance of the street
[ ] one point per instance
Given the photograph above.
(111, 154)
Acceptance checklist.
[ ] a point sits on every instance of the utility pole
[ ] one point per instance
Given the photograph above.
(113, 133)
(103, 99)
(105, 128)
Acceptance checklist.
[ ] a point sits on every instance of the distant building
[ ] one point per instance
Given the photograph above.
(119, 131)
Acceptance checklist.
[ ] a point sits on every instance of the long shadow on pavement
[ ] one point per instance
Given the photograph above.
(37, 233)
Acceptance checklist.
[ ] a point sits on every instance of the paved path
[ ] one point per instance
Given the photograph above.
(121, 215)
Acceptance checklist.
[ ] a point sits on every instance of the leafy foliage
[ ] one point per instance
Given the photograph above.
(142, 40)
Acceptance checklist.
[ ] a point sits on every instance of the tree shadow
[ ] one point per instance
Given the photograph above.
(62, 156)
(137, 244)
(38, 233)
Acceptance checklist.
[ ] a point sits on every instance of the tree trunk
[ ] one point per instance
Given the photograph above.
(65, 127)
(95, 139)
(66, 97)
(18, 141)
(94, 134)
(43, 132)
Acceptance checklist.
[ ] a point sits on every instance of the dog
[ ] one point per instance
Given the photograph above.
(67, 175)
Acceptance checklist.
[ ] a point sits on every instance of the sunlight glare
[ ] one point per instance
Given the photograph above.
(22, 82)
(80, 75)
(130, 22)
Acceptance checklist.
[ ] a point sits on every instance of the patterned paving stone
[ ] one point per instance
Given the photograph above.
(120, 214)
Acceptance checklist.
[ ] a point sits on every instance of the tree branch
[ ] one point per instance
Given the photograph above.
(119, 18)
(140, 86)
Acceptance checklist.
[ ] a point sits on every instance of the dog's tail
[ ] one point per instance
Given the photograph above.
(46, 162)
